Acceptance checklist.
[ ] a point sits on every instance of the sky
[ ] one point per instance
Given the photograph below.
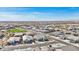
(39, 13)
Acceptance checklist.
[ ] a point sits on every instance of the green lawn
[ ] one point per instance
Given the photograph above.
(16, 30)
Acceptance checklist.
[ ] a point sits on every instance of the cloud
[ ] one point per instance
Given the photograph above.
(39, 13)
(12, 17)
(36, 16)
(33, 16)
(73, 8)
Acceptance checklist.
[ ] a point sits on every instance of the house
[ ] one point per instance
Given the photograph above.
(18, 34)
(3, 30)
(49, 28)
(45, 31)
(57, 33)
(30, 33)
(27, 39)
(40, 37)
(13, 40)
(72, 38)
(69, 48)
(1, 36)
(68, 32)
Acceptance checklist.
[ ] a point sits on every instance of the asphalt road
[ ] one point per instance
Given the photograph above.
(64, 42)
(23, 46)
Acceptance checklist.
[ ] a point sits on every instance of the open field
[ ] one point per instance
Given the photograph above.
(16, 30)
